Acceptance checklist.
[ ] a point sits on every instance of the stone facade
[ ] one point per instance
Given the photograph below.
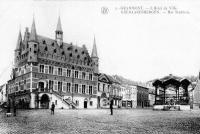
(129, 96)
(3, 94)
(142, 96)
(108, 88)
(50, 70)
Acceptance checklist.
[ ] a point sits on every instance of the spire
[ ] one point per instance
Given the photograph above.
(33, 35)
(94, 50)
(19, 40)
(59, 27)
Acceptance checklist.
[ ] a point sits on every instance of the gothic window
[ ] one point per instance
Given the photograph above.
(68, 73)
(83, 75)
(41, 68)
(103, 87)
(90, 90)
(83, 52)
(59, 71)
(50, 69)
(52, 44)
(35, 52)
(90, 76)
(83, 89)
(76, 88)
(68, 87)
(76, 74)
(35, 45)
(30, 49)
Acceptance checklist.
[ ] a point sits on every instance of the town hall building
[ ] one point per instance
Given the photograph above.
(50, 70)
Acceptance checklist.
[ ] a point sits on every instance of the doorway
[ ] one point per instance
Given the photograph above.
(85, 104)
(45, 101)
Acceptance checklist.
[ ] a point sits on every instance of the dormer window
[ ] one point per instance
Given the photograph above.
(54, 50)
(46, 49)
(63, 53)
(44, 42)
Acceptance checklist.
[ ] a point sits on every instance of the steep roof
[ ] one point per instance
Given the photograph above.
(48, 45)
(33, 35)
(94, 50)
(59, 26)
(19, 41)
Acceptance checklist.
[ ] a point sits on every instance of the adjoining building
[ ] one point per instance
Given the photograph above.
(142, 96)
(108, 88)
(129, 96)
(50, 70)
(3, 94)
(172, 92)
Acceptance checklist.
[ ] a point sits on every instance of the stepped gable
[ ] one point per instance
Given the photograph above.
(48, 45)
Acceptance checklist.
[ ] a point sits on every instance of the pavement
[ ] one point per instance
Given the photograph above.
(99, 121)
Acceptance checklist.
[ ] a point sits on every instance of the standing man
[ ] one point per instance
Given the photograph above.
(14, 108)
(52, 108)
(111, 107)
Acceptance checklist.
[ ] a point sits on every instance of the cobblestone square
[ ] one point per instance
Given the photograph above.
(97, 121)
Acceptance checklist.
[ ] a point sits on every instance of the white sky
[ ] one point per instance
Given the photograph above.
(139, 47)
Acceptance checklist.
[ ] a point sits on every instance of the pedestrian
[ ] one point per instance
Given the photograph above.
(111, 107)
(52, 108)
(14, 109)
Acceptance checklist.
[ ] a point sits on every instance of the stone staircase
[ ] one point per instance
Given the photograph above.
(66, 101)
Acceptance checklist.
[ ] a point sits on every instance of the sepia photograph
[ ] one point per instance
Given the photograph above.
(100, 67)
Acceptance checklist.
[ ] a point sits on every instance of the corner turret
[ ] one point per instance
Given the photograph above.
(33, 44)
(95, 57)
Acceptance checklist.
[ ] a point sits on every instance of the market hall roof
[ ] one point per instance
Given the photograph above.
(171, 79)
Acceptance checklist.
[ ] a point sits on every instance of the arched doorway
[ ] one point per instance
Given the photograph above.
(44, 101)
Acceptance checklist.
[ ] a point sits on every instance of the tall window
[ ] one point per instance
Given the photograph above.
(59, 71)
(76, 74)
(68, 87)
(103, 87)
(59, 86)
(76, 88)
(90, 76)
(50, 69)
(83, 75)
(50, 84)
(83, 89)
(90, 89)
(41, 68)
(98, 86)
(68, 73)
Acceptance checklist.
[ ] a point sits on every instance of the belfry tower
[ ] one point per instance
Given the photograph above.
(59, 33)
(95, 57)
